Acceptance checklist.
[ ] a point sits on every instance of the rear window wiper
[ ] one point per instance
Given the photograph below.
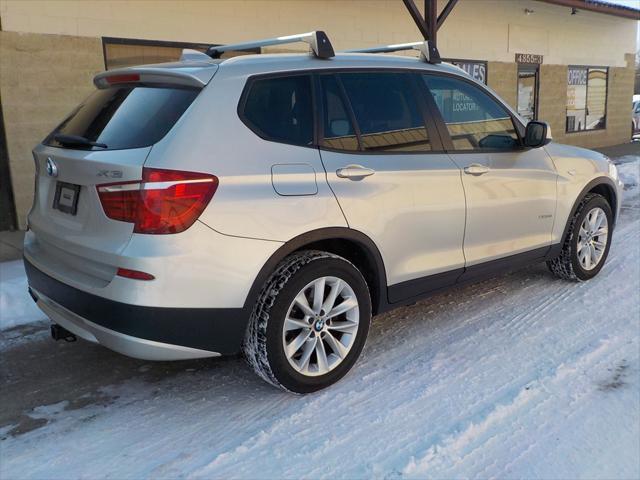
(77, 140)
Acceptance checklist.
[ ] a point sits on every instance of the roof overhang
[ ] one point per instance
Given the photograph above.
(598, 7)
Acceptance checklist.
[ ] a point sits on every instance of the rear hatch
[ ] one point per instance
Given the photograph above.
(103, 141)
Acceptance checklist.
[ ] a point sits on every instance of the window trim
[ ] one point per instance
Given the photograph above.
(268, 76)
(442, 125)
(606, 100)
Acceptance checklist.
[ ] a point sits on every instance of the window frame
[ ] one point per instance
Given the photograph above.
(270, 76)
(442, 125)
(586, 100)
(436, 128)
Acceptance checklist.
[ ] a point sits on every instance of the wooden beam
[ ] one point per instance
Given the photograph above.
(431, 20)
(417, 18)
(446, 11)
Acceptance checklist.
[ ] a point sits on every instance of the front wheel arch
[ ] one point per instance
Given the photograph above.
(603, 186)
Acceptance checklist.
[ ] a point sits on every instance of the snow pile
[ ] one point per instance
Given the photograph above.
(629, 173)
(16, 306)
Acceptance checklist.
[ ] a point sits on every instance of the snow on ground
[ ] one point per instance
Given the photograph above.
(16, 306)
(520, 376)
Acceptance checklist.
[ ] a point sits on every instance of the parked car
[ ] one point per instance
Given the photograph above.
(635, 117)
(272, 204)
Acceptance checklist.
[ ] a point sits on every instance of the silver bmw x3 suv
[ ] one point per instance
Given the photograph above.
(272, 204)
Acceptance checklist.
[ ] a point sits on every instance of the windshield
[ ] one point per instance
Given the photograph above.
(124, 117)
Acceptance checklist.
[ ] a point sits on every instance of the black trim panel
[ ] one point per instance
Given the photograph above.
(215, 329)
(405, 292)
(423, 285)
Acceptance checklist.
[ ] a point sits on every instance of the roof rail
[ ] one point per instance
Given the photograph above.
(318, 41)
(428, 52)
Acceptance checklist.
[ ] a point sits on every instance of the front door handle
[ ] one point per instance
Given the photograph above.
(354, 172)
(476, 169)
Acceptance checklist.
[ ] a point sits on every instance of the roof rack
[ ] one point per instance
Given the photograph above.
(428, 52)
(318, 41)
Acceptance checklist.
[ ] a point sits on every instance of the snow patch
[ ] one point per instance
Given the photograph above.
(16, 305)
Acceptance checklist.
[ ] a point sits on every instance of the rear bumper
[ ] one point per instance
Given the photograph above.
(152, 333)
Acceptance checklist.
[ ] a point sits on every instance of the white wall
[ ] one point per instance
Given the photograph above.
(481, 29)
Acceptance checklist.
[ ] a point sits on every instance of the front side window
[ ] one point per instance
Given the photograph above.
(475, 121)
(280, 109)
(386, 111)
(586, 98)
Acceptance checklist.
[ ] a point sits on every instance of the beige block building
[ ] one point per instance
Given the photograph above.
(570, 66)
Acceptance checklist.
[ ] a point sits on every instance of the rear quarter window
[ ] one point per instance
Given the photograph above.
(280, 109)
(125, 117)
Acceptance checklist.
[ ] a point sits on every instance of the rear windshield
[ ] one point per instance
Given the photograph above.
(125, 117)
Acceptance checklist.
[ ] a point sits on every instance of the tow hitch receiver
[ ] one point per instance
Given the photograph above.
(59, 333)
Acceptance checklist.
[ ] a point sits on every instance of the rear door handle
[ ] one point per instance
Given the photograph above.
(476, 169)
(354, 172)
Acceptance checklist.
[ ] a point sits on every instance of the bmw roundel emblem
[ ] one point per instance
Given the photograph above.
(52, 168)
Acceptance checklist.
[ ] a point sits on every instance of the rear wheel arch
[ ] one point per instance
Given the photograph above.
(354, 246)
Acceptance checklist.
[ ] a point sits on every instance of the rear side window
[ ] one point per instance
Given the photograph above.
(125, 117)
(386, 111)
(280, 109)
(338, 130)
(475, 120)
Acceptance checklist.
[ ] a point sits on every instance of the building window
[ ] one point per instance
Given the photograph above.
(476, 69)
(128, 52)
(586, 98)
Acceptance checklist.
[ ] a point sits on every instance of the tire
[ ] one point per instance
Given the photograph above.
(570, 264)
(268, 346)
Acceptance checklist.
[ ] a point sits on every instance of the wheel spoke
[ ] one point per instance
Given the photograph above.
(599, 245)
(302, 302)
(318, 294)
(297, 342)
(593, 255)
(587, 259)
(295, 324)
(309, 347)
(338, 348)
(599, 219)
(345, 326)
(345, 306)
(601, 232)
(330, 301)
(321, 355)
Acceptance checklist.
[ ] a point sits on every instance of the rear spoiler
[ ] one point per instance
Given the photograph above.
(195, 74)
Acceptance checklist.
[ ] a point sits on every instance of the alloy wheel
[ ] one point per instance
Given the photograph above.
(592, 238)
(321, 326)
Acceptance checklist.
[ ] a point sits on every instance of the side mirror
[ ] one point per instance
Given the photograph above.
(537, 134)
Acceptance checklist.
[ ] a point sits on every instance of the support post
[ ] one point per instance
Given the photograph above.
(431, 21)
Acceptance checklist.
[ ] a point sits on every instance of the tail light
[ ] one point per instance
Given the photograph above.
(165, 201)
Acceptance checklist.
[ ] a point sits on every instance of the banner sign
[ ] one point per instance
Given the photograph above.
(476, 70)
